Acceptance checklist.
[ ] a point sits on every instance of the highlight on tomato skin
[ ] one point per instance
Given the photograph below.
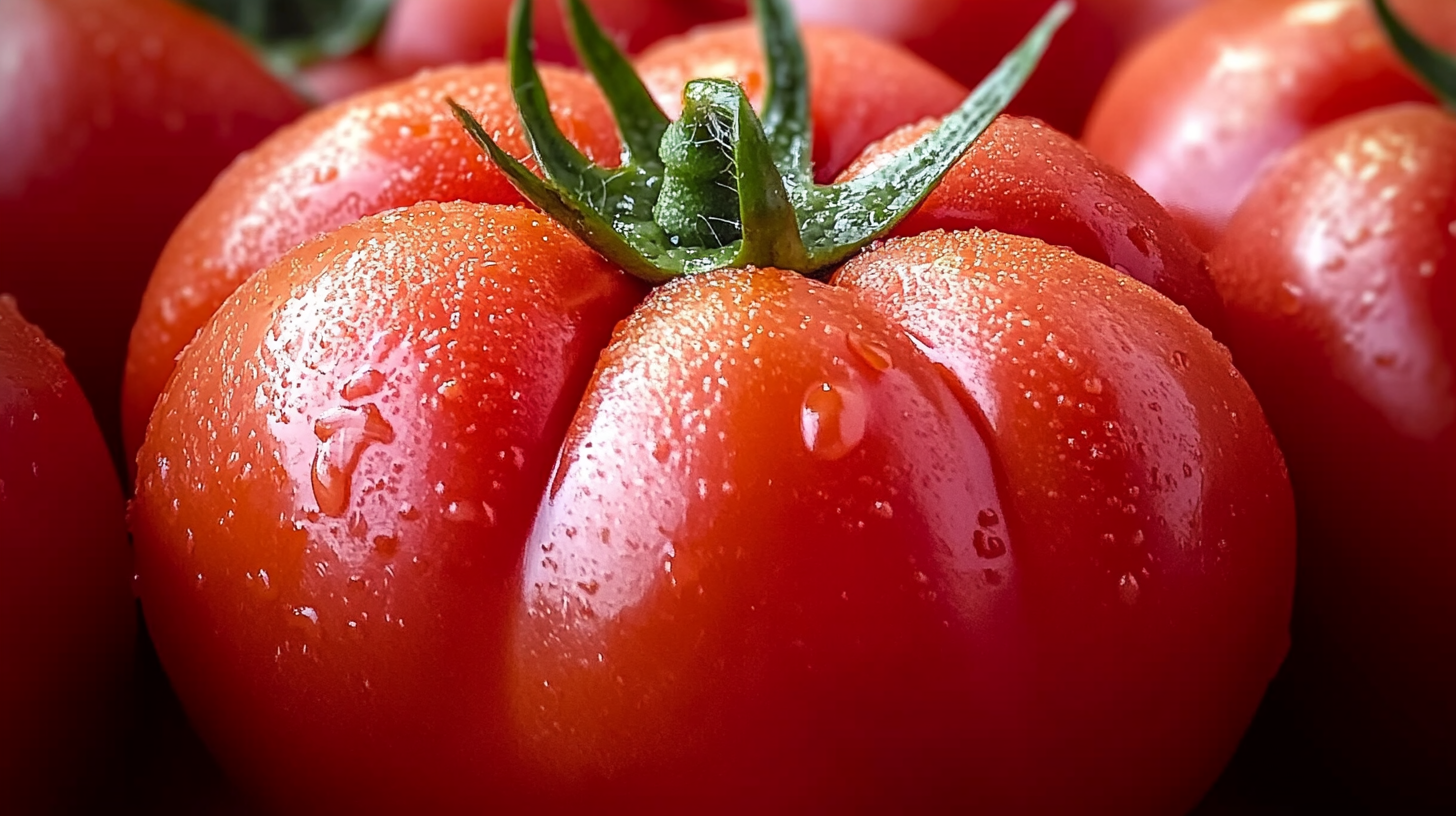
(1196, 113)
(1339, 270)
(65, 592)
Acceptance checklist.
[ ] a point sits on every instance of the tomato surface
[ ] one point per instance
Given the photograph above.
(1339, 271)
(115, 117)
(1063, 195)
(391, 147)
(1194, 115)
(65, 592)
(755, 559)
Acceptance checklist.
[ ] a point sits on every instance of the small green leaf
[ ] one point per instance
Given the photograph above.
(639, 120)
(1437, 69)
(786, 113)
(295, 33)
(770, 225)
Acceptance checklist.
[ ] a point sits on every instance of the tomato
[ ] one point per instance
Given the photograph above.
(397, 145)
(115, 117)
(389, 148)
(1065, 196)
(65, 592)
(1340, 275)
(1195, 114)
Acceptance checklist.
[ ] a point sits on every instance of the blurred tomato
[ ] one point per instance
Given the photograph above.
(114, 118)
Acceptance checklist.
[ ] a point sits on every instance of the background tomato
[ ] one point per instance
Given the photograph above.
(65, 591)
(1195, 114)
(114, 118)
(1340, 275)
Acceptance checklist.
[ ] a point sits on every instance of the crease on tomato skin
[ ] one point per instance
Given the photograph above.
(363, 635)
(1152, 509)
(774, 533)
(391, 147)
(1023, 177)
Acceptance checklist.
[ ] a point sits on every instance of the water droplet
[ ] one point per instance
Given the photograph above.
(326, 174)
(386, 546)
(884, 510)
(365, 382)
(988, 518)
(1288, 298)
(870, 351)
(343, 434)
(1180, 360)
(306, 612)
(988, 546)
(1128, 589)
(1093, 385)
(1427, 269)
(589, 587)
(408, 512)
(661, 451)
(832, 419)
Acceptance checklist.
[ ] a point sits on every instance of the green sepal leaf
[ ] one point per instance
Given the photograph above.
(786, 114)
(1437, 69)
(841, 219)
(639, 120)
(770, 224)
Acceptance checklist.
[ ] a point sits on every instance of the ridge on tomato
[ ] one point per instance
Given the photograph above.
(1339, 270)
(980, 524)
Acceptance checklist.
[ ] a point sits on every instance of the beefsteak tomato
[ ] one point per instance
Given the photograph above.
(115, 117)
(980, 524)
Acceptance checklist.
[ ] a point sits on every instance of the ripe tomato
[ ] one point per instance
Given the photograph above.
(114, 118)
(65, 592)
(1340, 275)
(1195, 114)
(780, 543)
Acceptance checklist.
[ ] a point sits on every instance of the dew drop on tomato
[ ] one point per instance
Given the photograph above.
(343, 434)
(832, 419)
(870, 351)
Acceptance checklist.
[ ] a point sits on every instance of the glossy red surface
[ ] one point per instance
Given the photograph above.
(1340, 275)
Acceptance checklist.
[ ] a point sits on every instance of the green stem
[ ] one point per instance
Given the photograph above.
(1437, 69)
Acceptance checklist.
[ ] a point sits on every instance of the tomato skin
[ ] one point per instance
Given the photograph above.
(115, 117)
(1150, 513)
(1024, 178)
(860, 89)
(393, 147)
(1340, 275)
(1194, 115)
(65, 592)
(395, 395)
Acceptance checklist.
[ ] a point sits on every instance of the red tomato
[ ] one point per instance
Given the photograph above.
(790, 557)
(1065, 196)
(1198, 111)
(65, 591)
(114, 118)
(1339, 272)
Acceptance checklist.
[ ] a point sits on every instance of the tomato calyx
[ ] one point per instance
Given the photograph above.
(724, 186)
(1431, 65)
